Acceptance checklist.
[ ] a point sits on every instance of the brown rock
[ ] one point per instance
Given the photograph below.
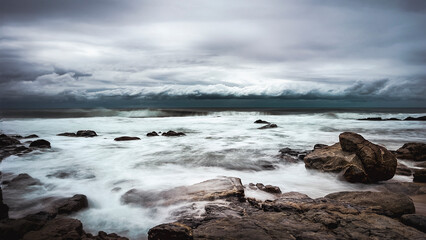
(402, 169)
(412, 151)
(126, 138)
(415, 220)
(419, 175)
(170, 231)
(59, 228)
(86, 133)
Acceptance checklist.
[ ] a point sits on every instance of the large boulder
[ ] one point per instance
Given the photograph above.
(412, 151)
(86, 133)
(212, 189)
(358, 159)
(40, 143)
(386, 203)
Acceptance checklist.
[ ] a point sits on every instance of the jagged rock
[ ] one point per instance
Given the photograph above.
(40, 143)
(415, 220)
(126, 138)
(170, 231)
(152, 134)
(205, 191)
(385, 203)
(272, 125)
(73, 204)
(173, 134)
(412, 151)
(419, 175)
(261, 121)
(358, 159)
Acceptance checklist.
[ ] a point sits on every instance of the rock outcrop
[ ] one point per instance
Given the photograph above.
(358, 159)
(412, 151)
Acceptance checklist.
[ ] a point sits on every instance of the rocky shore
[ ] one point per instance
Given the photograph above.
(227, 208)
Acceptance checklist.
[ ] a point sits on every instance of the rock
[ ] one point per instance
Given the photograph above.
(40, 143)
(67, 134)
(126, 138)
(59, 228)
(422, 118)
(415, 220)
(4, 209)
(173, 134)
(408, 188)
(319, 146)
(422, 165)
(73, 204)
(31, 136)
(7, 141)
(412, 151)
(289, 151)
(86, 133)
(268, 188)
(70, 173)
(402, 169)
(386, 203)
(371, 119)
(272, 125)
(209, 190)
(170, 231)
(23, 180)
(152, 134)
(358, 159)
(261, 121)
(419, 175)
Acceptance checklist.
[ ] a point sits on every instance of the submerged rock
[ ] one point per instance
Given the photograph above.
(67, 134)
(271, 125)
(412, 151)
(262, 121)
(152, 134)
(31, 136)
(40, 143)
(126, 138)
(173, 134)
(80, 133)
(358, 159)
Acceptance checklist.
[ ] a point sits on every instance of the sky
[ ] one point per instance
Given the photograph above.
(216, 53)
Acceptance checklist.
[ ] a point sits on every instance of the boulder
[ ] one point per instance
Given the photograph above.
(73, 204)
(40, 143)
(268, 188)
(415, 220)
(261, 121)
(419, 175)
(386, 203)
(152, 134)
(272, 125)
(7, 141)
(412, 151)
(86, 133)
(126, 138)
(58, 228)
(209, 190)
(173, 134)
(170, 231)
(358, 159)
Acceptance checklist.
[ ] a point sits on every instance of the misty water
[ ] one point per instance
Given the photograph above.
(216, 144)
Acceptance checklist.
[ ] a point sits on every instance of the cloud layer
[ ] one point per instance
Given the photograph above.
(75, 50)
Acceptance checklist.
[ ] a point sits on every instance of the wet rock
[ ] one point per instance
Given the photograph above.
(319, 146)
(289, 151)
(272, 125)
(358, 159)
(23, 180)
(422, 118)
(64, 174)
(173, 134)
(170, 231)
(261, 121)
(268, 188)
(126, 138)
(385, 203)
(59, 228)
(419, 175)
(73, 204)
(152, 134)
(4, 209)
(412, 151)
(16, 136)
(415, 220)
(40, 143)
(402, 169)
(7, 141)
(209, 190)
(371, 119)
(408, 188)
(31, 136)
(80, 133)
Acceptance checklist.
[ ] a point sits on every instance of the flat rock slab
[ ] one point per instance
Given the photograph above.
(385, 203)
(205, 191)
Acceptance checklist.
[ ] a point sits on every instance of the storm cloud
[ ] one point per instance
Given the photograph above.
(135, 52)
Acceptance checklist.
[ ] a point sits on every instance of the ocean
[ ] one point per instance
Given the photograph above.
(217, 143)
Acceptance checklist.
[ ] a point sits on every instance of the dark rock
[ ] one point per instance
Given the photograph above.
(23, 180)
(422, 165)
(59, 228)
(261, 121)
(86, 133)
(40, 143)
(419, 175)
(126, 138)
(173, 134)
(73, 204)
(152, 134)
(385, 203)
(268, 188)
(319, 146)
(371, 119)
(7, 141)
(412, 151)
(402, 169)
(415, 220)
(70, 173)
(422, 118)
(67, 134)
(272, 125)
(289, 151)
(16, 136)
(4, 209)
(170, 231)
(31, 136)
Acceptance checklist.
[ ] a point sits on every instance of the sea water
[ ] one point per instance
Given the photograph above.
(217, 143)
